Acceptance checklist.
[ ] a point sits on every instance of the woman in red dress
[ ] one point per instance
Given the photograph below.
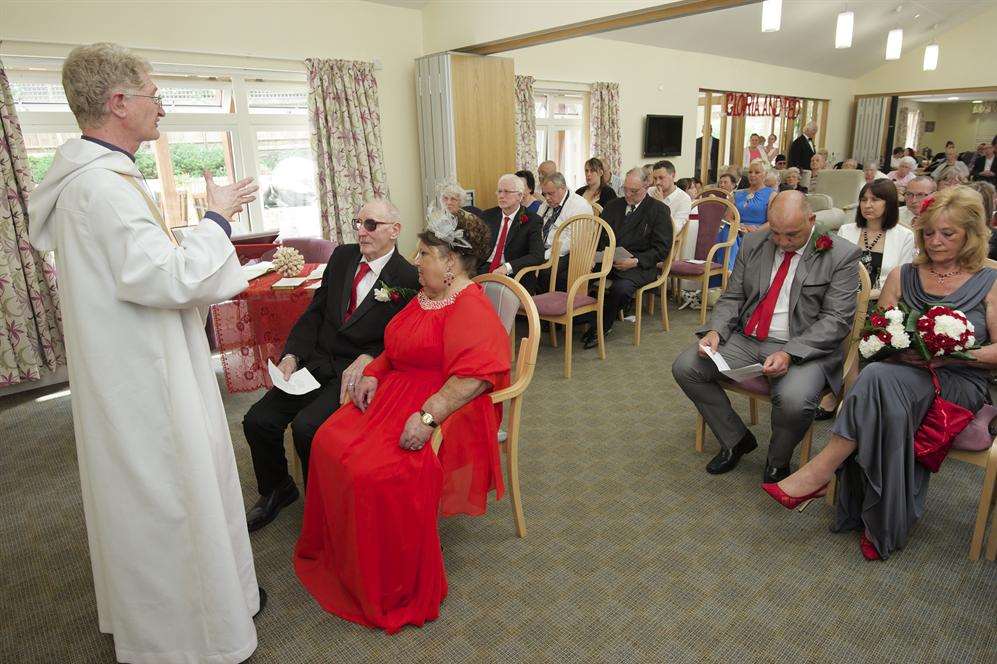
(369, 549)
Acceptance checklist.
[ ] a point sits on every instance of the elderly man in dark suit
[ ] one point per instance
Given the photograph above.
(516, 232)
(643, 226)
(803, 149)
(338, 335)
(789, 305)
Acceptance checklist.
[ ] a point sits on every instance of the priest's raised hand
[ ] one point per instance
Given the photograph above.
(228, 200)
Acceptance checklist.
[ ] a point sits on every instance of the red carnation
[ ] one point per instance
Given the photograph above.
(879, 320)
(523, 218)
(395, 296)
(823, 243)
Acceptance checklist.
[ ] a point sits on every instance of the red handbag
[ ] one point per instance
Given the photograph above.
(945, 420)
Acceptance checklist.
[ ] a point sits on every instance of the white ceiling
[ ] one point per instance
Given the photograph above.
(407, 4)
(806, 39)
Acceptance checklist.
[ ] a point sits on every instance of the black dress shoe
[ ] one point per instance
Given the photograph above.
(820, 414)
(263, 602)
(591, 340)
(267, 508)
(726, 459)
(775, 474)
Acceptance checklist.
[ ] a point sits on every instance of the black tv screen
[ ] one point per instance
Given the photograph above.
(662, 135)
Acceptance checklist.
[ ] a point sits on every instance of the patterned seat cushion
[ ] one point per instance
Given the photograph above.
(687, 269)
(556, 303)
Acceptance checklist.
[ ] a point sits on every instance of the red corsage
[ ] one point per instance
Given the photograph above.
(523, 218)
(822, 243)
(925, 203)
(395, 296)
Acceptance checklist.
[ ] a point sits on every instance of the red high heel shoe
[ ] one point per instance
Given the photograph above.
(868, 548)
(793, 502)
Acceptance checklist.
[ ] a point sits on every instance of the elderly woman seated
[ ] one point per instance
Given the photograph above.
(792, 181)
(905, 172)
(872, 172)
(451, 197)
(369, 549)
(882, 487)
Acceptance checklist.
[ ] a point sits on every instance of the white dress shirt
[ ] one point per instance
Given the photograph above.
(571, 205)
(779, 328)
(680, 205)
(369, 279)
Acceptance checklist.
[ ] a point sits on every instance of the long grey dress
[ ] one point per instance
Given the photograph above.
(882, 487)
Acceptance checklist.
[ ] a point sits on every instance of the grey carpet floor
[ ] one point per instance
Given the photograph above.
(634, 553)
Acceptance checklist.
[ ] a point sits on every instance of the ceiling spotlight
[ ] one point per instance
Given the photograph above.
(771, 15)
(930, 57)
(894, 44)
(952, 99)
(977, 101)
(843, 31)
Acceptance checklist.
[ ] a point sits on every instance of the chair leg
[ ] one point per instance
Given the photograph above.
(831, 486)
(600, 335)
(753, 410)
(992, 542)
(808, 439)
(704, 295)
(512, 467)
(638, 315)
(700, 432)
(650, 303)
(664, 305)
(553, 334)
(568, 329)
(983, 511)
(296, 473)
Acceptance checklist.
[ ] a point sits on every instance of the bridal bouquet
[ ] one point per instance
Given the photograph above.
(936, 332)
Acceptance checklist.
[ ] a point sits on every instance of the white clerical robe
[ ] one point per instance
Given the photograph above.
(172, 565)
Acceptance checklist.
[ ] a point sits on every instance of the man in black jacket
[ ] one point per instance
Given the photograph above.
(802, 150)
(643, 226)
(985, 166)
(516, 238)
(338, 335)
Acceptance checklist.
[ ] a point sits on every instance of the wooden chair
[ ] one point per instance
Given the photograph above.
(714, 192)
(597, 209)
(757, 389)
(713, 215)
(660, 283)
(509, 298)
(559, 307)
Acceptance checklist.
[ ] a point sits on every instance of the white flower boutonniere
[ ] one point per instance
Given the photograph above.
(382, 295)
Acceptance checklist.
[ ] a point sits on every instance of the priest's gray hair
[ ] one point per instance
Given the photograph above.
(91, 74)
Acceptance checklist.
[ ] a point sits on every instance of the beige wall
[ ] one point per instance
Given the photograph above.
(251, 32)
(641, 70)
(955, 122)
(966, 60)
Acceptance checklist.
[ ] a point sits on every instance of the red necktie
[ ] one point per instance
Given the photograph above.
(761, 318)
(361, 273)
(500, 245)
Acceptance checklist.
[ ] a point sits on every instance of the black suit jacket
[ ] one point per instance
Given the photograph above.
(524, 245)
(978, 168)
(320, 339)
(647, 234)
(800, 153)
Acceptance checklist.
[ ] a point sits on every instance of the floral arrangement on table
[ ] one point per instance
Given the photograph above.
(938, 331)
(288, 261)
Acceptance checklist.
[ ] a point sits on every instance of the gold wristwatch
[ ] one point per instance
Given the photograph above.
(428, 419)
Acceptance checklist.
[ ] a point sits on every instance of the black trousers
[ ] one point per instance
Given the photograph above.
(265, 422)
(618, 296)
(542, 283)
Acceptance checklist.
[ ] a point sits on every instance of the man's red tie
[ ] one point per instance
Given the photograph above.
(500, 245)
(761, 318)
(361, 273)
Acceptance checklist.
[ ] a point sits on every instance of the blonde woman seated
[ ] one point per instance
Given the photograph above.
(369, 549)
(881, 486)
(884, 243)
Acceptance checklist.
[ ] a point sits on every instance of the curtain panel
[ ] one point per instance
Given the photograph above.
(605, 125)
(346, 140)
(31, 340)
(526, 125)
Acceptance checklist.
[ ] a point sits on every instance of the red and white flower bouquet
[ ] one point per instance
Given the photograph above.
(939, 331)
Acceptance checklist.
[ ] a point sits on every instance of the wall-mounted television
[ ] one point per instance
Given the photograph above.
(662, 135)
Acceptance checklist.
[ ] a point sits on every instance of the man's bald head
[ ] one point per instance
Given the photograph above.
(546, 168)
(791, 219)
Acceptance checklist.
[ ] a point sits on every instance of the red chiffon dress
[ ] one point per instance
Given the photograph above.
(369, 550)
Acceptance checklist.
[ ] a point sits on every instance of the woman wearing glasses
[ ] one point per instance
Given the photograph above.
(369, 549)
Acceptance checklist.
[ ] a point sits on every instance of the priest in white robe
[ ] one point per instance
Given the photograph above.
(172, 564)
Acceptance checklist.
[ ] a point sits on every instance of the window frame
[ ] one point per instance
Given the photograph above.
(550, 124)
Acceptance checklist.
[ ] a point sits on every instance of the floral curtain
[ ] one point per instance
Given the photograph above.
(30, 321)
(526, 125)
(901, 136)
(346, 139)
(605, 126)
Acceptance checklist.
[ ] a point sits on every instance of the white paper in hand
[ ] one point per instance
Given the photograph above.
(301, 382)
(736, 375)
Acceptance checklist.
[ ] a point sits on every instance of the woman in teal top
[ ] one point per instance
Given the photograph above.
(753, 204)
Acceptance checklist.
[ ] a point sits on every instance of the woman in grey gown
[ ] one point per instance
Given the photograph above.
(882, 488)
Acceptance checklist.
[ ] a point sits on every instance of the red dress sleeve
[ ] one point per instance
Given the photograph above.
(379, 367)
(475, 345)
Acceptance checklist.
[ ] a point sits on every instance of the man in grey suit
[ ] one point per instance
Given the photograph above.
(788, 306)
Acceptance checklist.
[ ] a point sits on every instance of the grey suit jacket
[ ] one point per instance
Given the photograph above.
(821, 300)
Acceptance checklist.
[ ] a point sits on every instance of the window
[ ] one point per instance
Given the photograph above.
(233, 124)
(562, 132)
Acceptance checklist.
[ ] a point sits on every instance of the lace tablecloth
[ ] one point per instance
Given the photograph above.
(253, 328)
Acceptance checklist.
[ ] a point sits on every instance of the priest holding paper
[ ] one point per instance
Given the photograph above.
(789, 306)
(363, 287)
(172, 565)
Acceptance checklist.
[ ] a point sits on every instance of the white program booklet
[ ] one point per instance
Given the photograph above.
(736, 375)
(289, 282)
(301, 381)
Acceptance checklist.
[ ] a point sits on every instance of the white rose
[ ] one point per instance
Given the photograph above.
(870, 346)
(970, 341)
(894, 329)
(382, 295)
(894, 316)
(900, 340)
(950, 326)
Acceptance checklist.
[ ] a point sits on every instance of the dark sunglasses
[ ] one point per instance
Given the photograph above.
(370, 224)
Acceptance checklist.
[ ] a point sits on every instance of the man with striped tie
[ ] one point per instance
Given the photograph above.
(560, 204)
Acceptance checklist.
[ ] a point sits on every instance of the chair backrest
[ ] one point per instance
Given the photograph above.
(851, 342)
(713, 212)
(509, 298)
(678, 239)
(820, 202)
(842, 186)
(597, 209)
(586, 229)
(805, 176)
(313, 249)
(713, 191)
